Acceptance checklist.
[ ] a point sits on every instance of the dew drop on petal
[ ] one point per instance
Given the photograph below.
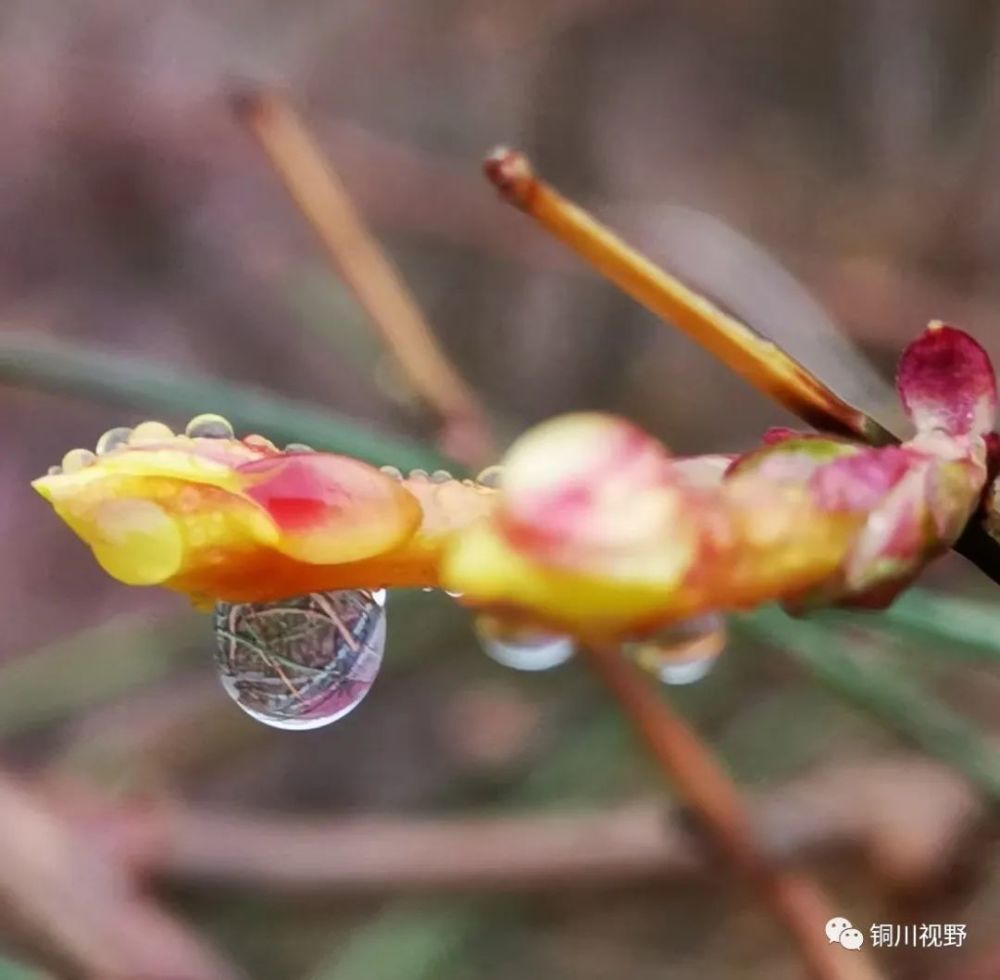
(419, 475)
(441, 476)
(150, 433)
(77, 459)
(523, 648)
(113, 439)
(299, 447)
(683, 653)
(300, 663)
(454, 595)
(490, 477)
(209, 426)
(393, 471)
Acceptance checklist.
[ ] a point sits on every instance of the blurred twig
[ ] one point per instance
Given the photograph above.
(764, 365)
(840, 809)
(387, 853)
(81, 907)
(321, 197)
(795, 900)
(64, 368)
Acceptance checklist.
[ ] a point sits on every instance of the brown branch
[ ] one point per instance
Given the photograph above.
(743, 351)
(81, 908)
(377, 853)
(864, 811)
(795, 900)
(323, 200)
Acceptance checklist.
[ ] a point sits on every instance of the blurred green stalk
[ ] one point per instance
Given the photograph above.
(891, 695)
(103, 376)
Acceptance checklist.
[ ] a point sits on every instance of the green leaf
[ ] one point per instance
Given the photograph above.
(890, 695)
(103, 376)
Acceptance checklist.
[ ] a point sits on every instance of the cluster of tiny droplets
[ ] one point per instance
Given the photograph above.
(205, 426)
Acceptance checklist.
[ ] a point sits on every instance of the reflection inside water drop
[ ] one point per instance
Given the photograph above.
(683, 653)
(303, 662)
(523, 648)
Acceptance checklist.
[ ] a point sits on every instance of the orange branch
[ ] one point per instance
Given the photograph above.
(743, 351)
(323, 200)
(682, 757)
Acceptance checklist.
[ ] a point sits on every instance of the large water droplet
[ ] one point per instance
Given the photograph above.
(303, 662)
(523, 648)
(683, 653)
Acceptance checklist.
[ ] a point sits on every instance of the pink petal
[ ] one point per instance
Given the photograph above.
(946, 383)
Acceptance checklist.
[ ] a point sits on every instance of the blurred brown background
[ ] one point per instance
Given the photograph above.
(851, 145)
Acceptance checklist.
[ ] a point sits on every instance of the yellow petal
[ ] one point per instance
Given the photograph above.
(136, 541)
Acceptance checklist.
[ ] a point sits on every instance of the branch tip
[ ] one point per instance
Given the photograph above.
(511, 174)
(247, 100)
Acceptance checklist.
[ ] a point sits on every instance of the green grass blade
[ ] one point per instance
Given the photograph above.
(893, 697)
(407, 941)
(104, 376)
(954, 626)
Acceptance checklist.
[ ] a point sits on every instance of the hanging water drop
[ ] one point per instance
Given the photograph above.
(304, 662)
(683, 653)
(523, 648)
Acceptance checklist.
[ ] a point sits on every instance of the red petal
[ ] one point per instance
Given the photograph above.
(331, 509)
(946, 383)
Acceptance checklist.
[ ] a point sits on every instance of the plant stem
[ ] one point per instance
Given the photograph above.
(687, 762)
(760, 362)
(320, 195)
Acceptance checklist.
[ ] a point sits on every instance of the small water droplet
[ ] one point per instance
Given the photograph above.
(427, 588)
(300, 663)
(54, 470)
(523, 648)
(490, 477)
(260, 444)
(419, 475)
(149, 433)
(454, 595)
(77, 459)
(209, 426)
(441, 476)
(113, 439)
(683, 653)
(393, 471)
(299, 447)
